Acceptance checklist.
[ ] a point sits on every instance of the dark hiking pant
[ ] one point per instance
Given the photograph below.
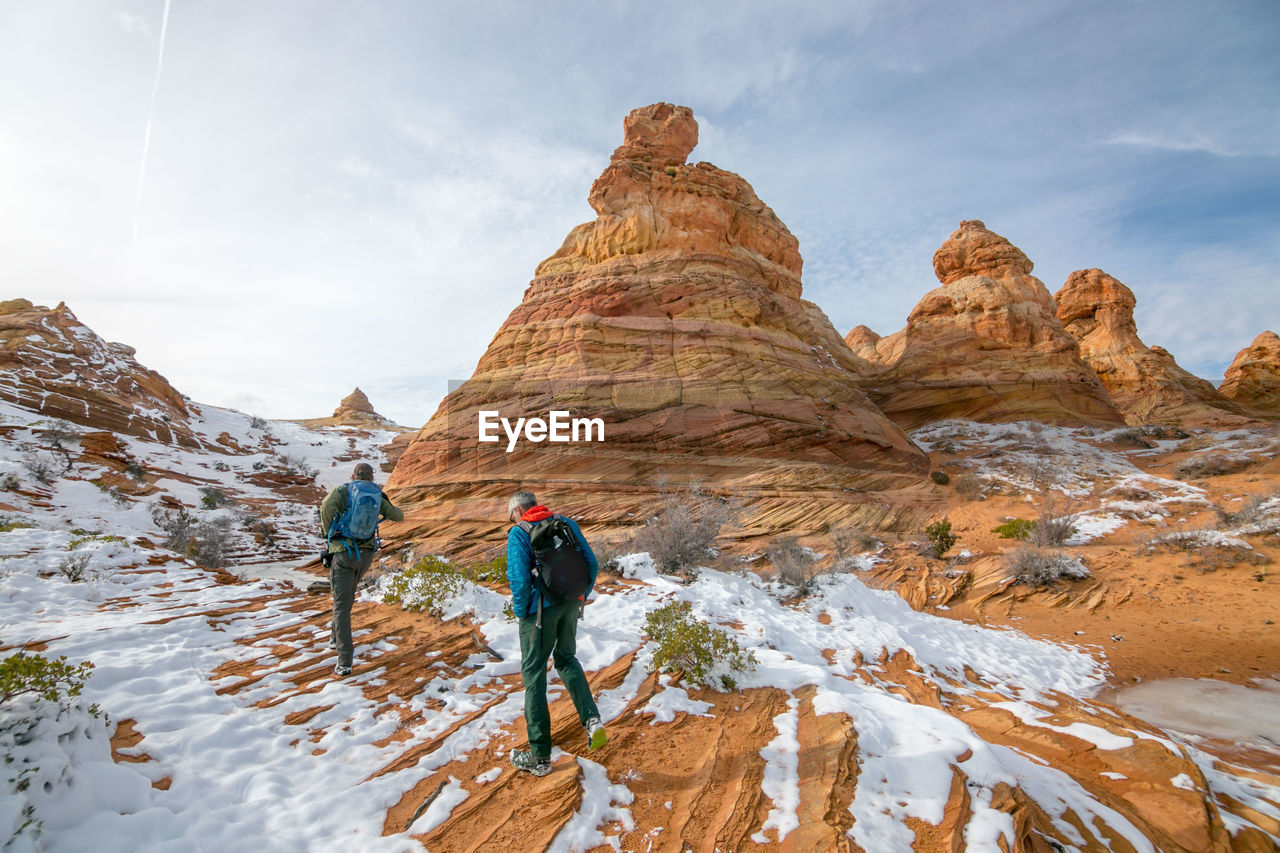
(344, 575)
(558, 639)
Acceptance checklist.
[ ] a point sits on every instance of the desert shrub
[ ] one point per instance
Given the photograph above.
(45, 467)
(425, 587)
(682, 532)
(608, 551)
(796, 564)
(1132, 437)
(940, 477)
(1015, 528)
(1130, 492)
(80, 537)
(57, 433)
(945, 446)
(969, 487)
(1055, 525)
(207, 542)
(940, 538)
(212, 497)
(10, 482)
(221, 466)
(112, 493)
(51, 679)
(297, 465)
(1040, 567)
(136, 471)
(1252, 511)
(13, 522)
(493, 570)
(256, 422)
(75, 567)
(847, 541)
(704, 654)
(259, 465)
(1214, 465)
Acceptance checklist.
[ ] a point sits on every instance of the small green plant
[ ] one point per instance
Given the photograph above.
(86, 536)
(212, 497)
(670, 170)
(51, 679)
(940, 477)
(1015, 528)
(704, 654)
(940, 537)
(425, 587)
(13, 523)
(493, 570)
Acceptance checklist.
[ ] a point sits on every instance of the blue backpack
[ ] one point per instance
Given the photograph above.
(359, 521)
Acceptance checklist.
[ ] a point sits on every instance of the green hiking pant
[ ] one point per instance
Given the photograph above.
(556, 638)
(344, 575)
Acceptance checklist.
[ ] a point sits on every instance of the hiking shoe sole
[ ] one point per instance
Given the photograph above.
(342, 671)
(597, 738)
(525, 761)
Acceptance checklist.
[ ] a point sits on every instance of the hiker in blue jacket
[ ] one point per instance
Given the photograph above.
(349, 554)
(548, 626)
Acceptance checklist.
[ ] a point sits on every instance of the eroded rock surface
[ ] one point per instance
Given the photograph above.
(986, 346)
(1253, 378)
(1145, 382)
(53, 364)
(675, 317)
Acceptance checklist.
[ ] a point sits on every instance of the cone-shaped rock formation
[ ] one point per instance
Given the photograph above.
(862, 340)
(1145, 383)
(986, 346)
(1253, 379)
(52, 364)
(675, 318)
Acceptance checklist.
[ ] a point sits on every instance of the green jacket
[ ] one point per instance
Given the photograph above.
(335, 504)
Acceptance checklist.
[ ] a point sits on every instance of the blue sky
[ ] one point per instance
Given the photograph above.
(342, 194)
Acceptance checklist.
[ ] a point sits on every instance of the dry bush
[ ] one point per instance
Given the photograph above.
(608, 551)
(848, 541)
(1256, 511)
(1214, 465)
(1041, 567)
(684, 528)
(45, 467)
(796, 564)
(1055, 525)
(1132, 437)
(969, 486)
(1130, 492)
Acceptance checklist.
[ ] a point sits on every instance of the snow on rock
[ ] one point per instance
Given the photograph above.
(602, 803)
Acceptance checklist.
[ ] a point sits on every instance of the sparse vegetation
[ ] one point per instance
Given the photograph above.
(136, 471)
(75, 567)
(940, 538)
(1213, 465)
(703, 654)
(1254, 511)
(84, 536)
(51, 679)
(1055, 525)
(206, 542)
(425, 587)
(1133, 437)
(56, 433)
(940, 477)
(12, 522)
(10, 482)
(493, 570)
(1015, 528)
(848, 541)
(796, 564)
(44, 466)
(259, 423)
(969, 487)
(1040, 567)
(297, 465)
(683, 530)
(212, 498)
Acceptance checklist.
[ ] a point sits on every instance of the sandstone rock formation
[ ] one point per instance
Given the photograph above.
(985, 346)
(675, 317)
(862, 340)
(1145, 383)
(1253, 379)
(355, 410)
(52, 364)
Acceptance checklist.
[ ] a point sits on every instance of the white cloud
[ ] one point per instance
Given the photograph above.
(133, 24)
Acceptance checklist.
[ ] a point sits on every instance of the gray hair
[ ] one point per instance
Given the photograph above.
(363, 471)
(522, 501)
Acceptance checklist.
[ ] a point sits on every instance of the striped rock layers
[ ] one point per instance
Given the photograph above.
(675, 318)
(1145, 383)
(985, 346)
(1253, 379)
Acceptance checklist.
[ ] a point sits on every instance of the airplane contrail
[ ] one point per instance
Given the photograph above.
(146, 139)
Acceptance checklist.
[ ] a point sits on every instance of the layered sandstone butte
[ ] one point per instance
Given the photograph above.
(1145, 382)
(862, 340)
(675, 317)
(986, 346)
(1253, 379)
(355, 410)
(52, 364)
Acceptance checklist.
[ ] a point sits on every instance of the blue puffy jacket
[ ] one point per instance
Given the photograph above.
(524, 592)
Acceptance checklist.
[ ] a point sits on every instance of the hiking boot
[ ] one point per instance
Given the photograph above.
(341, 671)
(596, 736)
(530, 763)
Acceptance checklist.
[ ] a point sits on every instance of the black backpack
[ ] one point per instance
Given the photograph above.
(560, 567)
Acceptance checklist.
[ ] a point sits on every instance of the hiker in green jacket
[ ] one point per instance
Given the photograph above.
(349, 521)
